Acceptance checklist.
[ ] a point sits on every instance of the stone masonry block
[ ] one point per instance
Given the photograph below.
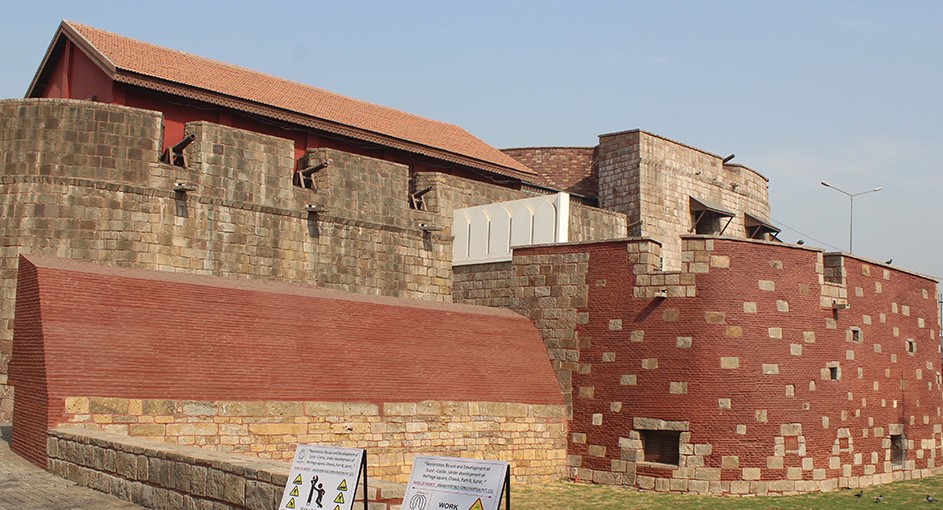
(714, 317)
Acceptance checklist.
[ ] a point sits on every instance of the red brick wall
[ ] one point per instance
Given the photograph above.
(733, 369)
(568, 169)
(30, 424)
(139, 334)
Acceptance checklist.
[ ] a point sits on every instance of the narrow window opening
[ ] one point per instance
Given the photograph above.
(898, 449)
(661, 446)
(856, 335)
(911, 346)
(833, 373)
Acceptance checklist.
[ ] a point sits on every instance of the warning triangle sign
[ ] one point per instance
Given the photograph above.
(291, 503)
(339, 498)
(294, 491)
(297, 480)
(342, 486)
(477, 505)
(337, 507)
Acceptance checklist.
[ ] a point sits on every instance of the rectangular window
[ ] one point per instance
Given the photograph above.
(898, 449)
(662, 446)
(833, 373)
(856, 335)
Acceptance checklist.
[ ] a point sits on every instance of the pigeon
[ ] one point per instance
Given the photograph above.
(930, 499)
(879, 499)
(859, 493)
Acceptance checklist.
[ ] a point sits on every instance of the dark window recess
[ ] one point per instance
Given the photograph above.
(662, 446)
(833, 373)
(898, 449)
(911, 346)
(856, 335)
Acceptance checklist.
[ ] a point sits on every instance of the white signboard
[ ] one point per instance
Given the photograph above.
(322, 478)
(448, 483)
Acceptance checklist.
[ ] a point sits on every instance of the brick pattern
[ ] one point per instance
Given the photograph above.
(777, 389)
(136, 336)
(160, 475)
(532, 437)
(568, 169)
(769, 403)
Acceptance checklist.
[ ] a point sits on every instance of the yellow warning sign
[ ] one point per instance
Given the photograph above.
(339, 498)
(294, 491)
(291, 503)
(337, 507)
(298, 480)
(477, 505)
(342, 486)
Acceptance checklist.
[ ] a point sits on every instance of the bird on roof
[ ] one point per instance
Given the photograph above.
(889, 261)
(930, 499)
(879, 499)
(859, 493)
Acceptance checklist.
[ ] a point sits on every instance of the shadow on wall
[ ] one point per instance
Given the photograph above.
(5, 431)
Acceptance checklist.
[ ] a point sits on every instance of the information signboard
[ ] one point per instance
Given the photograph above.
(448, 483)
(323, 477)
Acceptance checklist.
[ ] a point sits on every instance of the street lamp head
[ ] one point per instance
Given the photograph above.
(826, 184)
(877, 189)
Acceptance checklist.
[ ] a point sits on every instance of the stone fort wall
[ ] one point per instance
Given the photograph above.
(81, 180)
(770, 389)
(652, 179)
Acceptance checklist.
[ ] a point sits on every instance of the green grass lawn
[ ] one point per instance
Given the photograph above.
(578, 496)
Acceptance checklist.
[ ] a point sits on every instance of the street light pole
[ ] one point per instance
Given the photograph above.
(851, 216)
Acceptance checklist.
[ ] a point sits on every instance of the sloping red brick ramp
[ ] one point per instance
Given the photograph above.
(24, 486)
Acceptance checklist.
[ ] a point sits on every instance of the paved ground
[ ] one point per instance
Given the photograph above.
(23, 486)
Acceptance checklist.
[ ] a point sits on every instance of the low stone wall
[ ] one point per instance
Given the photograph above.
(161, 475)
(392, 432)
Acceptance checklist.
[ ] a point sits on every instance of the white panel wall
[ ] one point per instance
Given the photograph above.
(488, 233)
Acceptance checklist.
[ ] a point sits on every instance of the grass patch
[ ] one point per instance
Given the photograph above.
(581, 496)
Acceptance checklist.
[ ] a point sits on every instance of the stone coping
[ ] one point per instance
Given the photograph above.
(155, 474)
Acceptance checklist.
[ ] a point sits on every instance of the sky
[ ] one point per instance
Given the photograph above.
(847, 92)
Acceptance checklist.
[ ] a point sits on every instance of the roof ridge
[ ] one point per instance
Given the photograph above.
(253, 71)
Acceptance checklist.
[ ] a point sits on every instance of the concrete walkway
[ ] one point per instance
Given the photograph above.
(23, 486)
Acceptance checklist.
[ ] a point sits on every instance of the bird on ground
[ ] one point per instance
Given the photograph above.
(879, 499)
(930, 499)
(859, 493)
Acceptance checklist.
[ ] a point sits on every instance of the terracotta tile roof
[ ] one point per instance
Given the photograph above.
(123, 55)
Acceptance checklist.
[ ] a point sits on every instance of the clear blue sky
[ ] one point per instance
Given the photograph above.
(850, 92)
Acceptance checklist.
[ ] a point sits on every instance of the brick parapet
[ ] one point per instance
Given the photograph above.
(531, 437)
(161, 475)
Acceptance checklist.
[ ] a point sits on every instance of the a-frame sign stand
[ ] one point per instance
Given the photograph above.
(507, 488)
(363, 472)
(333, 473)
